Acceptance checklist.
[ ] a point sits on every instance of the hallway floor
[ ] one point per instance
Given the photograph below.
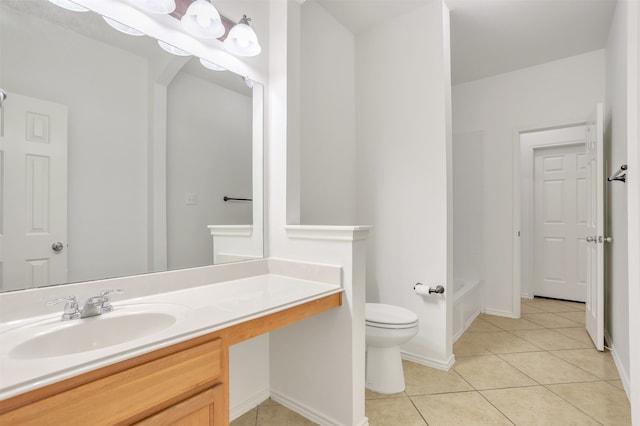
(537, 370)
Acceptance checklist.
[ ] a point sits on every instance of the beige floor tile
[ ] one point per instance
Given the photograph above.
(392, 412)
(422, 380)
(578, 317)
(574, 306)
(536, 406)
(471, 344)
(247, 419)
(490, 372)
(480, 325)
(529, 308)
(271, 415)
(511, 323)
(616, 383)
(462, 408)
(605, 403)
(505, 342)
(556, 305)
(269, 401)
(549, 339)
(551, 320)
(577, 333)
(369, 394)
(600, 364)
(546, 368)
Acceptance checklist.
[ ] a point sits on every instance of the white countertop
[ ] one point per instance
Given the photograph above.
(200, 310)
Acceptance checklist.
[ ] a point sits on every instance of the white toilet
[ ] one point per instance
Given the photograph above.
(387, 327)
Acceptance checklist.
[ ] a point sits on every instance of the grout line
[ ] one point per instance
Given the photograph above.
(419, 412)
(569, 402)
(499, 410)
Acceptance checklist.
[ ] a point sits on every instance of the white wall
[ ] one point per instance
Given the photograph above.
(468, 206)
(107, 138)
(327, 119)
(563, 91)
(209, 154)
(633, 197)
(403, 149)
(302, 355)
(616, 140)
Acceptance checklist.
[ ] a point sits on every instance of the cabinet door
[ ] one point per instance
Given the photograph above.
(128, 395)
(204, 408)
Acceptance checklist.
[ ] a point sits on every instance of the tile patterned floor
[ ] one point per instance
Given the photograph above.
(537, 370)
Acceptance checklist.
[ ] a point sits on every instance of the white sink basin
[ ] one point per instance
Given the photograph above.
(87, 334)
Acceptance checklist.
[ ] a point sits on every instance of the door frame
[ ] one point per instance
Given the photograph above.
(527, 244)
(516, 191)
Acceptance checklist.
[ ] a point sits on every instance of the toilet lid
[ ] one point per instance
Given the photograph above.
(388, 314)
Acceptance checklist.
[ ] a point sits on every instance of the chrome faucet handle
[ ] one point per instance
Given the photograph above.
(106, 305)
(71, 309)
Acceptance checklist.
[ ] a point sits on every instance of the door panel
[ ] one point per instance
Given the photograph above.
(34, 183)
(558, 226)
(594, 305)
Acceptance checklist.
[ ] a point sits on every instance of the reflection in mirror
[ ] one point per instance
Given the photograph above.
(119, 151)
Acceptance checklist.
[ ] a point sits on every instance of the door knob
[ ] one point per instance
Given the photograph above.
(57, 246)
(591, 239)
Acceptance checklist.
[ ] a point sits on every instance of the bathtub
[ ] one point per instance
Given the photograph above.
(466, 304)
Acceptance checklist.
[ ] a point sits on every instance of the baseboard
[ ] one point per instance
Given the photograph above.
(500, 313)
(527, 295)
(429, 362)
(463, 329)
(248, 404)
(310, 413)
(624, 375)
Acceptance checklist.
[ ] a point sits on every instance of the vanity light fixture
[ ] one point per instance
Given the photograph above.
(211, 65)
(122, 27)
(172, 49)
(242, 40)
(162, 7)
(203, 20)
(69, 5)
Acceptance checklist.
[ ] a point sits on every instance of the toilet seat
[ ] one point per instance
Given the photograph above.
(380, 315)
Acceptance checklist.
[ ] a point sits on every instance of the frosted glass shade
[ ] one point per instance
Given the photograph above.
(172, 49)
(157, 6)
(69, 5)
(211, 65)
(203, 20)
(122, 27)
(242, 40)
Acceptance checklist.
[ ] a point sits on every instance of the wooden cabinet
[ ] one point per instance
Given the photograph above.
(183, 384)
(202, 409)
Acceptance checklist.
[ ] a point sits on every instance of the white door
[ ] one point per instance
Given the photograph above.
(595, 228)
(560, 222)
(33, 162)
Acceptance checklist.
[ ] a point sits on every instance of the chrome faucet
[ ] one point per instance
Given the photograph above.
(95, 305)
(92, 307)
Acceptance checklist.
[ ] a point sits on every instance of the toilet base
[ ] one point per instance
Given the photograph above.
(384, 372)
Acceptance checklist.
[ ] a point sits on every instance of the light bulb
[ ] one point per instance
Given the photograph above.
(243, 42)
(203, 21)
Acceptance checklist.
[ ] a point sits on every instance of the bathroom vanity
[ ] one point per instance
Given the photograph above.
(175, 375)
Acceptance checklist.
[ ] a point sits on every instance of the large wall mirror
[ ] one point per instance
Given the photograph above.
(115, 156)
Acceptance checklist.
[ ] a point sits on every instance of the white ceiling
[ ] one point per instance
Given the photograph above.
(490, 37)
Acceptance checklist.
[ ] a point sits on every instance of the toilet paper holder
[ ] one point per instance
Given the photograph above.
(438, 289)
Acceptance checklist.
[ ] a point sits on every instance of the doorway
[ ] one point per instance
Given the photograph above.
(553, 206)
(560, 222)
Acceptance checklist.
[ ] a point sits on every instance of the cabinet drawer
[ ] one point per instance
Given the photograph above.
(205, 408)
(129, 395)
